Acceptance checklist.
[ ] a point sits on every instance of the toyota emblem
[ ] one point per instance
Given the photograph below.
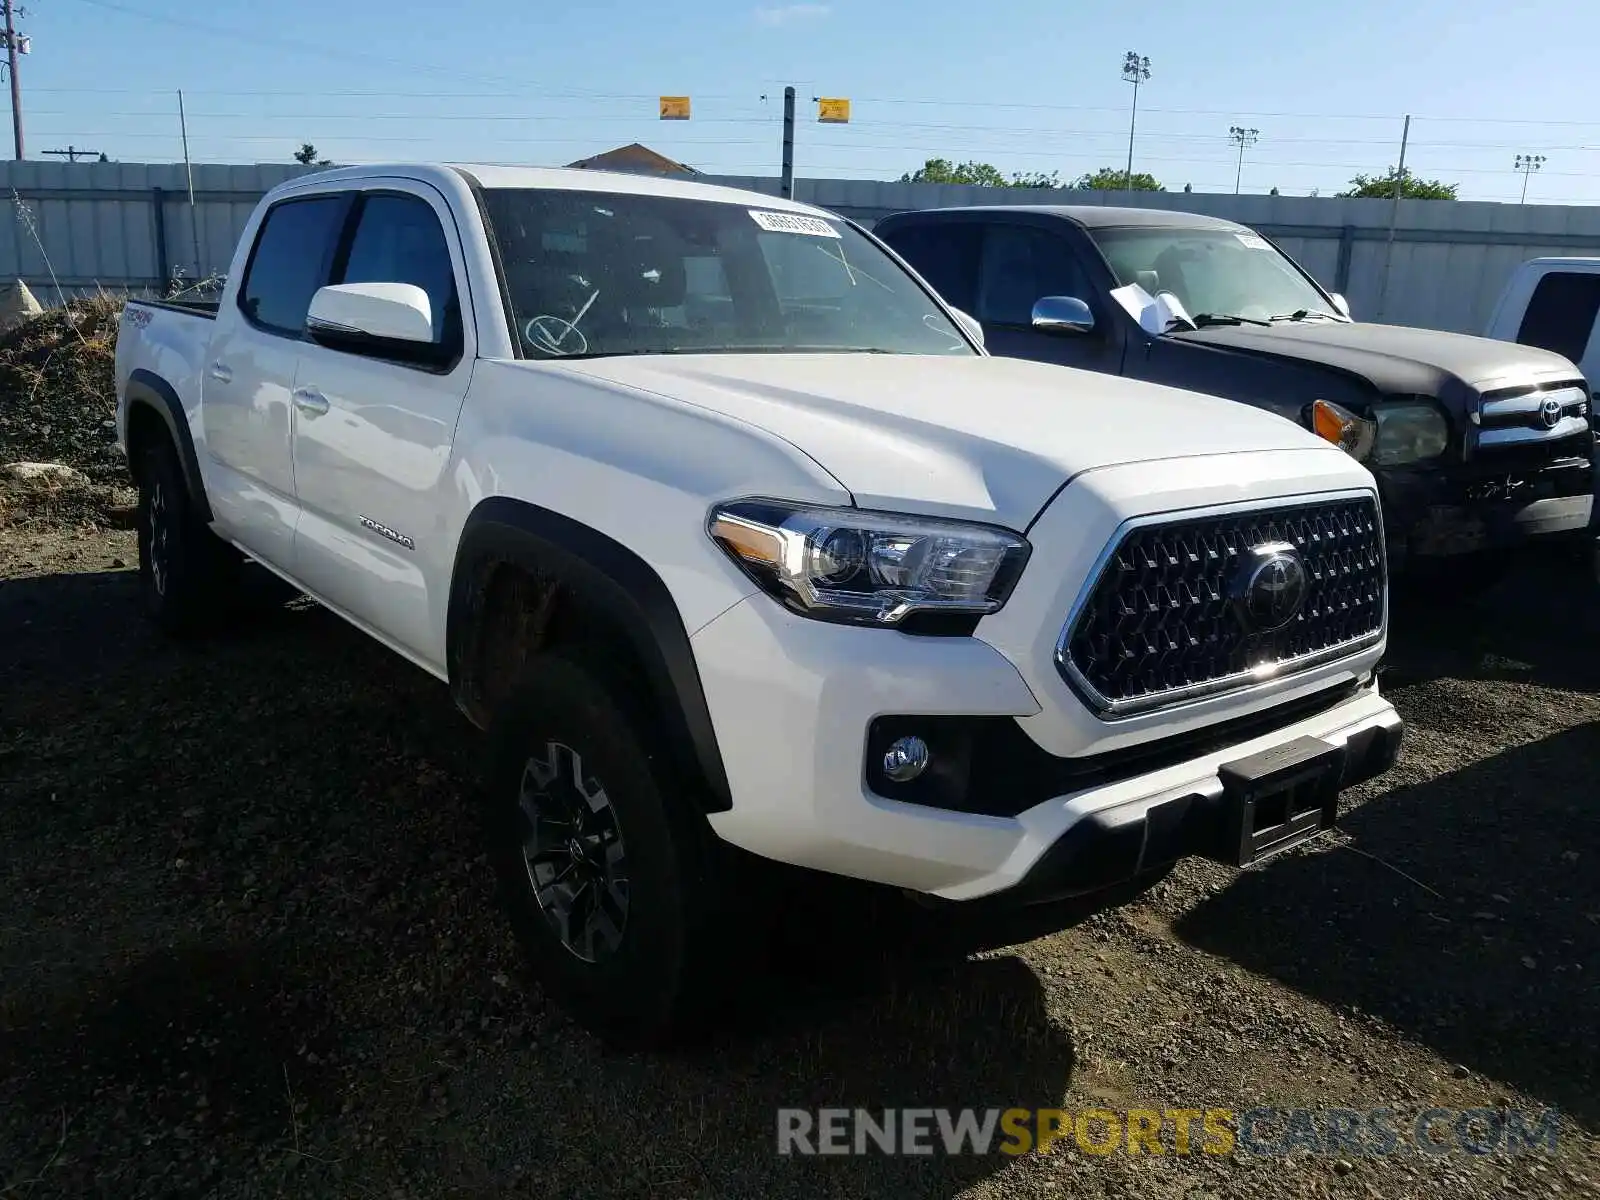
(1550, 413)
(1270, 587)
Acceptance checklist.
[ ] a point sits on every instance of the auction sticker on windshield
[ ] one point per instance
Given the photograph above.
(782, 222)
(1252, 241)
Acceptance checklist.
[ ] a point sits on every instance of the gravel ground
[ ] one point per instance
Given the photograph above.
(248, 946)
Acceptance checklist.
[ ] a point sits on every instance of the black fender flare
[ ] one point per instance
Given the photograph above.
(147, 389)
(615, 584)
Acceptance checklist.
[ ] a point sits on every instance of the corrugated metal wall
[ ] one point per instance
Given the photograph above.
(77, 227)
(127, 226)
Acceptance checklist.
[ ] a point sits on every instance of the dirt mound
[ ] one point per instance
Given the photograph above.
(57, 394)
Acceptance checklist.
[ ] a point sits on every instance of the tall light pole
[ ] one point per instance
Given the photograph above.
(1528, 164)
(1241, 138)
(1135, 70)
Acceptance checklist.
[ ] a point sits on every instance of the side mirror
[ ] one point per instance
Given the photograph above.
(970, 324)
(1340, 303)
(384, 320)
(1062, 314)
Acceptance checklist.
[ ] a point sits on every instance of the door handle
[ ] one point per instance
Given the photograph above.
(310, 401)
(222, 372)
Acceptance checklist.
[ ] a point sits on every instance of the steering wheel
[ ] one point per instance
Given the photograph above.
(540, 334)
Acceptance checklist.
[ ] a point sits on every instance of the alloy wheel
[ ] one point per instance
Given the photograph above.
(573, 850)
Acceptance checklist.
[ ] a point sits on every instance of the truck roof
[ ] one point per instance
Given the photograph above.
(490, 175)
(1097, 216)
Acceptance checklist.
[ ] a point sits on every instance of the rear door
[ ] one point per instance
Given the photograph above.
(249, 373)
(372, 436)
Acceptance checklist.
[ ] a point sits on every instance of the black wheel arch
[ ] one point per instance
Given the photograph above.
(145, 390)
(614, 587)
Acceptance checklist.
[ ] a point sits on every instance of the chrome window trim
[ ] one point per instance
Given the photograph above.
(1114, 710)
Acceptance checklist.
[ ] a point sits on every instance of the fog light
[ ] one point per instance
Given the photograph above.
(905, 759)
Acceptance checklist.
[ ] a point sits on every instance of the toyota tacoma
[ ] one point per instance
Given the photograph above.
(728, 533)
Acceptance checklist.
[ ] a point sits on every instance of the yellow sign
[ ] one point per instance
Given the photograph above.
(833, 110)
(674, 108)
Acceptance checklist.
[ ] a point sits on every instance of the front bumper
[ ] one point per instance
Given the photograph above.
(792, 701)
(1432, 513)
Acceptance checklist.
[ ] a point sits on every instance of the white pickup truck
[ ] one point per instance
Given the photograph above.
(728, 531)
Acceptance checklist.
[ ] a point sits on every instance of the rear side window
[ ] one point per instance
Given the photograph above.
(290, 262)
(1561, 314)
(945, 254)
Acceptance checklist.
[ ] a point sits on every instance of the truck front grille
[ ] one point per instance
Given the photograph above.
(1168, 617)
(1532, 426)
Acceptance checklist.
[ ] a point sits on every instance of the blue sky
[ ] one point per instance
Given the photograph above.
(1023, 84)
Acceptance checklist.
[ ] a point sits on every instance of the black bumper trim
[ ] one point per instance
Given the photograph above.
(1105, 849)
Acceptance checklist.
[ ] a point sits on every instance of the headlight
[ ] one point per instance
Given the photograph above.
(1408, 433)
(869, 568)
(1337, 424)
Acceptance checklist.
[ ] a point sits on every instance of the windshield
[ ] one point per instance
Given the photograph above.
(1214, 272)
(603, 273)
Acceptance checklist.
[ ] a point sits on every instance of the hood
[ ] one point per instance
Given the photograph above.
(984, 438)
(1395, 359)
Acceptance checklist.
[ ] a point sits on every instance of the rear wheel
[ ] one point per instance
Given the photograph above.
(606, 865)
(185, 571)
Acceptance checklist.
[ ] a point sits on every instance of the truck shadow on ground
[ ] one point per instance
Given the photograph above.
(1525, 629)
(246, 871)
(1489, 951)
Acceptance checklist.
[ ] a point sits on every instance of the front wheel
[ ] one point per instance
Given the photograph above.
(605, 864)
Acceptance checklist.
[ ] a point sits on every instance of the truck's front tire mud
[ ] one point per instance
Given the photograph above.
(186, 573)
(607, 868)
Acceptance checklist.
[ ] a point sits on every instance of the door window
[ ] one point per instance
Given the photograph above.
(1021, 264)
(1561, 314)
(290, 262)
(399, 239)
(945, 254)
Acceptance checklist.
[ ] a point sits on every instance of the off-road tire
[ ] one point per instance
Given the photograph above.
(656, 985)
(186, 573)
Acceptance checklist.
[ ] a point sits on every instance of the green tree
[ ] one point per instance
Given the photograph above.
(307, 154)
(1114, 179)
(942, 170)
(1381, 187)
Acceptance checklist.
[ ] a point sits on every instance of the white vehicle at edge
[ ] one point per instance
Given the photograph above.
(726, 530)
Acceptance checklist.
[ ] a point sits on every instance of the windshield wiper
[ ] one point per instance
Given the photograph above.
(1304, 314)
(1201, 320)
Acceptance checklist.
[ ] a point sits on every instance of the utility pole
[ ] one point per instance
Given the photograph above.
(1394, 216)
(788, 144)
(1241, 138)
(1135, 70)
(16, 45)
(188, 168)
(1528, 164)
(73, 154)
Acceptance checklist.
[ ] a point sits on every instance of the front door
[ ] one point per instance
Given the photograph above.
(249, 373)
(373, 437)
